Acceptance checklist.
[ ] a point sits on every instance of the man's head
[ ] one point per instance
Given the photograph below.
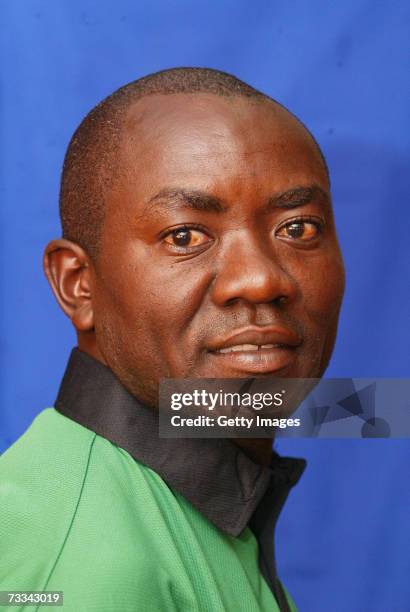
(197, 226)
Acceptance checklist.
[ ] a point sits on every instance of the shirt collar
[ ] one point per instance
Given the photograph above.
(214, 475)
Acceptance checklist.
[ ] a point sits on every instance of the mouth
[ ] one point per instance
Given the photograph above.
(256, 350)
(244, 348)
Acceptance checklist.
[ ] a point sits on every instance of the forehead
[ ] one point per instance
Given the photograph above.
(231, 147)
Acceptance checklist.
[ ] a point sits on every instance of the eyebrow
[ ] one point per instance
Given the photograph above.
(297, 196)
(189, 198)
(200, 200)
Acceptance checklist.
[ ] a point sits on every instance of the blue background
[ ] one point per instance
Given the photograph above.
(343, 68)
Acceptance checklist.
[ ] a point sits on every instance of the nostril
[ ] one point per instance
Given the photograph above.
(232, 301)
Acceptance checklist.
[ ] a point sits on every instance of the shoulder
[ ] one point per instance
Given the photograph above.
(78, 514)
(41, 477)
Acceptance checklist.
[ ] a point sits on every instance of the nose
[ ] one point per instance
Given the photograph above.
(252, 272)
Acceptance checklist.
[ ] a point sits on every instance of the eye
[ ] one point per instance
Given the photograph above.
(303, 230)
(186, 238)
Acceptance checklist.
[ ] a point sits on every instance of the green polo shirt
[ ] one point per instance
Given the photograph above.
(79, 514)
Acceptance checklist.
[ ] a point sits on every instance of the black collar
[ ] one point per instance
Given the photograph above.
(214, 475)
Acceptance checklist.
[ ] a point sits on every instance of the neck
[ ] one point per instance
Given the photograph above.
(257, 449)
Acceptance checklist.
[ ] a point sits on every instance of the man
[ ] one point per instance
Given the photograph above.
(198, 241)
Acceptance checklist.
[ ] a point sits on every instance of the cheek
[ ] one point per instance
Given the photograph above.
(152, 302)
(120, 304)
(321, 287)
(173, 282)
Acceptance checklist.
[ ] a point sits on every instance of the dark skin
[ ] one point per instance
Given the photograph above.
(219, 233)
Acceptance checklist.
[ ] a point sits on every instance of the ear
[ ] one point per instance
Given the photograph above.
(68, 270)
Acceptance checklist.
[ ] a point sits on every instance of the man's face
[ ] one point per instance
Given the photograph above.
(219, 256)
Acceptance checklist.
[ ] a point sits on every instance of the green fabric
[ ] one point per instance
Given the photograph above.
(78, 514)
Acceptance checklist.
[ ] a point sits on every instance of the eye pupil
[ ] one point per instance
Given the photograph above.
(296, 230)
(182, 237)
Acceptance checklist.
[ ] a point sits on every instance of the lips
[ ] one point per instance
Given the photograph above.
(255, 338)
(247, 347)
(255, 350)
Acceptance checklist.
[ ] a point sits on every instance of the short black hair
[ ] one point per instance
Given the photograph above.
(89, 168)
